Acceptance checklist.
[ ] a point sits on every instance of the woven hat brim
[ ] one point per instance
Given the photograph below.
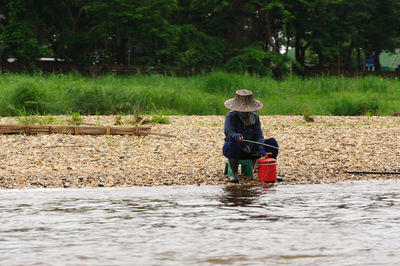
(234, 106)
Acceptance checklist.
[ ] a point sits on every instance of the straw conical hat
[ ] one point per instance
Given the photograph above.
(243, 102)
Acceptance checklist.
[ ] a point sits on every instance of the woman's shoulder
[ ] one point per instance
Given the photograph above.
(231, 114)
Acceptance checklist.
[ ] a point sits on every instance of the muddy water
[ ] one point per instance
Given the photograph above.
(340, 224)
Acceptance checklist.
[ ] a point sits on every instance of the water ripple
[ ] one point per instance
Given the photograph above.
(235, 225)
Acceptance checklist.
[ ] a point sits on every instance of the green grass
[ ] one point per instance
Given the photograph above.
(197, 95)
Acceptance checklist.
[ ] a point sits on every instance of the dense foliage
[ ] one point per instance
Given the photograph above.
(200, 33)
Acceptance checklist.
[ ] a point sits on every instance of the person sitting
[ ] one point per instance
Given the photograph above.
(242, 124)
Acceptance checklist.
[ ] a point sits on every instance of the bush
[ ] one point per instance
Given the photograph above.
(90, 101)
(349, 106)
(281, 64)
(158, 119)
(253, 60)
(200, 49)
(28, 97)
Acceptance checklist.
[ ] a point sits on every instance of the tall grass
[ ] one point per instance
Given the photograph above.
(198, 95)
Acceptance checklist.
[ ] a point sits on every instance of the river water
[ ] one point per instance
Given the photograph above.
(355, 223)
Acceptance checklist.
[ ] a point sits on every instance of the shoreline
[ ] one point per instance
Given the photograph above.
(310, 153)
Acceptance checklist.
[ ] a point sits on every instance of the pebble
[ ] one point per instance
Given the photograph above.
(310, 152)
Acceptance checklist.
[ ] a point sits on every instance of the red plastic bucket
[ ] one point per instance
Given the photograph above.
(266, 168)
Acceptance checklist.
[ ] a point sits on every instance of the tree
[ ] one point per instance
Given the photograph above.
(381, 27)
(18, 36)
(270, 18)
(198, 33)
(144, 23)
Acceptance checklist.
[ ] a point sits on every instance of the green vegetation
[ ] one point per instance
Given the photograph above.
(25, 119)
(199, 34)
(198, 95)
(75, 117)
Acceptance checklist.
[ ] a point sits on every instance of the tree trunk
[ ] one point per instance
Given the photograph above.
(299, 51)
(268, 33)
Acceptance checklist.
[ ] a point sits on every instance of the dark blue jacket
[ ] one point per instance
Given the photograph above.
(234, 125)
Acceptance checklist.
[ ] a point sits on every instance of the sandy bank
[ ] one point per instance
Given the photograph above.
(316, 152)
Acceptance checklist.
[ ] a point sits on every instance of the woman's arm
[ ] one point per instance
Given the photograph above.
(230, 126)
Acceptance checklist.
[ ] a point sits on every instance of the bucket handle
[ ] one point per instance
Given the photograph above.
(267, 155)
(256, 169)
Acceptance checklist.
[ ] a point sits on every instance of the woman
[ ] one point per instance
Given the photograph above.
(242, 124)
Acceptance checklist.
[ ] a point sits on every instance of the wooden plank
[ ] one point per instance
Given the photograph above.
(129, 131)
(71, 129)
(37, 129)
(12, 127)
(62, 129)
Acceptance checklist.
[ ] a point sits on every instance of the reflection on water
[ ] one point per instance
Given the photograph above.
(340, 224)
(244, 195)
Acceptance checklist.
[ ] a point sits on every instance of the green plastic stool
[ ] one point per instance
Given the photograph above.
(247, 167)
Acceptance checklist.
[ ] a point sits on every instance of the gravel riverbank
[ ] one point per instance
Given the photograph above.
(313, 152)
